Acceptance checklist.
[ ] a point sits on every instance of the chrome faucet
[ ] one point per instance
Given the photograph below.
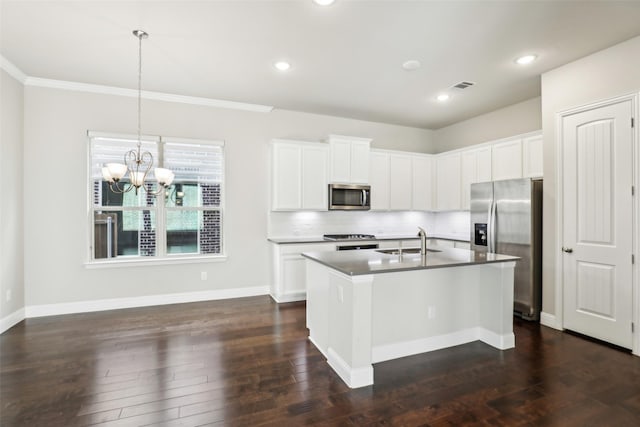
(423, 241)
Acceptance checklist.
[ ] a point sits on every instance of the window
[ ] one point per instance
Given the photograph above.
(185, 221)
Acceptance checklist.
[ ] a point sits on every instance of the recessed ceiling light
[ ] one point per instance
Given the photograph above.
(526, 59)
(411, 64)
(443, 97)
(282, 65)
(324, 2)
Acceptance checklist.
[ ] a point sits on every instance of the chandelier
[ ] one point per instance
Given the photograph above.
(137, 163)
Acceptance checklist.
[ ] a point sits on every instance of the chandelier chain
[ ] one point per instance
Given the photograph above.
(139, 91)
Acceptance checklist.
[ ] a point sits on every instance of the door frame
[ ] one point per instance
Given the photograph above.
(635, 221)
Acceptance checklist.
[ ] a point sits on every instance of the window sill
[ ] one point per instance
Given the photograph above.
(138, 262)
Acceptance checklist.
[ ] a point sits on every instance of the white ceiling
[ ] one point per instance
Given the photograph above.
(346, 58)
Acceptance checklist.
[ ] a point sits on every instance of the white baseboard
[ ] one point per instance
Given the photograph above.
(354, 378)
(392, 351)
(143, 301)
(550, 320)
(9, 321)
(296, 296)
(318, 347)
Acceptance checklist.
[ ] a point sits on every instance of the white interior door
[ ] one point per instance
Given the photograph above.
(597, 222)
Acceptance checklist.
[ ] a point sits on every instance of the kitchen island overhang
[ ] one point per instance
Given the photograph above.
(365, 307)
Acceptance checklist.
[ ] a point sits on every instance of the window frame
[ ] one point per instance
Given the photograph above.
(160, 208)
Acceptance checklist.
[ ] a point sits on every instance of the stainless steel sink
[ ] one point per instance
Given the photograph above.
(404, 251)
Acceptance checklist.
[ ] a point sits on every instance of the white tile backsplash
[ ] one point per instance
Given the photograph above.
(445, 224)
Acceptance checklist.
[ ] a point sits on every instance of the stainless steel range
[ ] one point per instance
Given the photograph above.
(351, 238)
(337, 237)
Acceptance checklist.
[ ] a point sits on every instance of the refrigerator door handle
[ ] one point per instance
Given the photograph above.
(489, 226)
(492, 227)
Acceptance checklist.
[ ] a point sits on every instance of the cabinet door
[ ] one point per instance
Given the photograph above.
(400, 179)
(359, 162)
(532, 157)
(448, 182)
(340, 161)
(293, 275)
(483, 164)
(379, 181)
(469, 176)
(422, 185)
(286, 188)
(506, 160)
(314, 178)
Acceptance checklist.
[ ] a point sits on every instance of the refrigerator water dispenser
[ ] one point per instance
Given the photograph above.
(480, 234)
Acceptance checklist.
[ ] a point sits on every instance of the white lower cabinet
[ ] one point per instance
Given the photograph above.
(288, 276)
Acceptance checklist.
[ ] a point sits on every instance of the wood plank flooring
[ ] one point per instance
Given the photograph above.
(247, 362)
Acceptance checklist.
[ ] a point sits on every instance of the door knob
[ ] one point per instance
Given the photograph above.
(567, 250)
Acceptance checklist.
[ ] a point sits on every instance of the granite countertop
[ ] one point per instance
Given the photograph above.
(320, 239)
(370, 261)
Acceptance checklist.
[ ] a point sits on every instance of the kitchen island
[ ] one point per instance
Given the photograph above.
(369, 306)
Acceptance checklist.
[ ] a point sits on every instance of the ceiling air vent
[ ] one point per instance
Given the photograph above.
(463, 85)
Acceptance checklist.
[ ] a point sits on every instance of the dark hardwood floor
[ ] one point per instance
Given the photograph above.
(247, 362)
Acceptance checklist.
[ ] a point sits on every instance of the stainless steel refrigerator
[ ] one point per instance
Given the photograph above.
(506, 218)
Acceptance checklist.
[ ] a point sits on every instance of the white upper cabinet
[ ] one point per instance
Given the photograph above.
(349, 162)
(506, 160)
(476, 167)
(448, 182)
(315, 159)
(400, 182)
(379, 180)
(532, 156)
(422, 184)
(299, 175)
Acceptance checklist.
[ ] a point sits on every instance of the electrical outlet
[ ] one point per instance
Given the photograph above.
(8, 295)
(203, 275)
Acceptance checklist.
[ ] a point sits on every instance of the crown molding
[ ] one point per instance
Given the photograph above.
(12, 70)
(133, 93)
(17, 74)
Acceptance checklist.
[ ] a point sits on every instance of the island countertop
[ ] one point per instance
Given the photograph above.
(371, 261)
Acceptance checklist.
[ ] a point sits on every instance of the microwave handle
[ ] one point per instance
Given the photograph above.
(364, 198)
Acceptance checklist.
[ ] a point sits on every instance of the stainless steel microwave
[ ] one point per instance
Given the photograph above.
(344, 197)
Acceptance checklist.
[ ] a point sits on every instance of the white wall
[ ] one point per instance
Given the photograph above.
(606, 74)
(11, 208)
(513, 120)
(56, 122)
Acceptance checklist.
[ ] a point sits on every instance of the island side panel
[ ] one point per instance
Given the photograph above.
(318, 305)
(350, 305)
(496, 306)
